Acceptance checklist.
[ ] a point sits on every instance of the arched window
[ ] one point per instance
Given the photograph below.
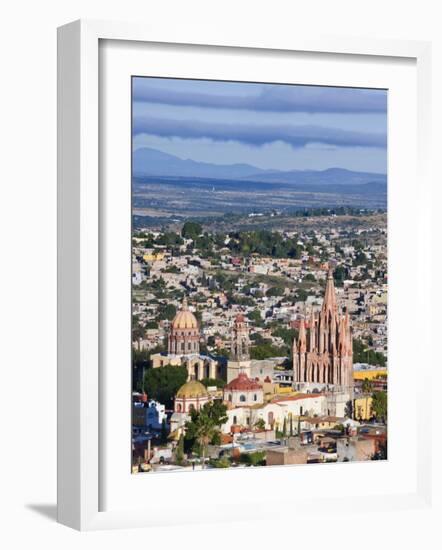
(191, 407)
(179, 407)
(242, 398)
(234, 420)
(255, 397)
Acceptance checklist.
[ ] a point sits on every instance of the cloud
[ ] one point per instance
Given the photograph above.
(274, 98)
(256, 135)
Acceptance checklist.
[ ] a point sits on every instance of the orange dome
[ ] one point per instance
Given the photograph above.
(184, 319)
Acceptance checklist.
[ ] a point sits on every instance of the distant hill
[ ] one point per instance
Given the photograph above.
(150, 162)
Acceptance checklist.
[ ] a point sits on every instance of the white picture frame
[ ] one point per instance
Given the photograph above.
(80, 261)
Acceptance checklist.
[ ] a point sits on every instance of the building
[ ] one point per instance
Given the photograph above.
(323, 352)
(243, 392)
(184, 348)
(148, 414)
(191, 396)
(294, 453)
(240, 349)
(184, 336)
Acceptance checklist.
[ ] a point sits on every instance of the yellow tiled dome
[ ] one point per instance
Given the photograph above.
(192, 389)
(184, 319)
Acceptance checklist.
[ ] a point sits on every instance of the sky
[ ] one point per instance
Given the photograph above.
(271, 126)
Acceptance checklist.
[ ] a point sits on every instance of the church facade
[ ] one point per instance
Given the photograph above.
(183, 348)
(323, 351)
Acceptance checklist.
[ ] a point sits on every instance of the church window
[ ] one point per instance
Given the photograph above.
(242, 397)
(255, 397)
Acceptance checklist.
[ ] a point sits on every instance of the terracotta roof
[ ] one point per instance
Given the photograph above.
(297, 397)
(243, 383)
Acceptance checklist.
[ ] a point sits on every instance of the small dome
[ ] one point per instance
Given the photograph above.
(243, 383)
(192, 389)
(184, 319)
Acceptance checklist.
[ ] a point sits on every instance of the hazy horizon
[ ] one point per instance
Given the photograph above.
(268, 126)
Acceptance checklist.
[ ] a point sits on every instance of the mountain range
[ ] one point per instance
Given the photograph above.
(151, 162)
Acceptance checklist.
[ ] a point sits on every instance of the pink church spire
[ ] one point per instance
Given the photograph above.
(302, 337)
(329, 304)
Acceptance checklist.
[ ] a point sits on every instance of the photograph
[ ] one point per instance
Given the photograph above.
(259, 274)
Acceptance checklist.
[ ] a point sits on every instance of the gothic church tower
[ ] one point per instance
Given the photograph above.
(323, 353)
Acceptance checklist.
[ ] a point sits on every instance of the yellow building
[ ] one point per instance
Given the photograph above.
(362, 407)
(369, 374)
(153, 257)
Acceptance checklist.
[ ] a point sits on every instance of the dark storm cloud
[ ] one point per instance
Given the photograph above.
(273, 98)
(250, 134)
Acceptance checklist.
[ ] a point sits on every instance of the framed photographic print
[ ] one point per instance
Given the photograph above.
(234, 287)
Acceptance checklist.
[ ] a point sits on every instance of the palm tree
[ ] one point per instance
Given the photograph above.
(205, 424)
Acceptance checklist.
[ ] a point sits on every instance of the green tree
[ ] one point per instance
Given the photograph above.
(163, 434)
(379, 405)
(367, 386)
(255, 317)
(218, 382)
(179, 454)
(266, 350)
(191, 230)
(257, 458)
(301, 295)
(204, 425)
(166, 311)
(275, 291)
(163, 383)
(260, 424)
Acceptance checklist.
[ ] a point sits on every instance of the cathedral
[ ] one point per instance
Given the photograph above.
(183, 348)
(323, 351)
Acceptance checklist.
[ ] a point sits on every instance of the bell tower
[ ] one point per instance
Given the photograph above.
(239, 360)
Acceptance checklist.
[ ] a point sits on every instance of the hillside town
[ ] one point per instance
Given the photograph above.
(259, 346)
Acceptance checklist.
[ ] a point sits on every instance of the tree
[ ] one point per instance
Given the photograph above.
(257, 458)
(191, 230)
(379, 405)
(275, 291)
(301, 295)
(284, 427)
(291, 426)
(168, 311)
(260, 424)
(163, 383)
(204, 425)
(266, 350)
(367, 386)
(163, 434)
(179, 454)
(255, 317)
(218, 382)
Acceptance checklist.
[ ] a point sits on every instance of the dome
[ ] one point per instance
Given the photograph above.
(192, 389)
(243, 383)
(184, 319)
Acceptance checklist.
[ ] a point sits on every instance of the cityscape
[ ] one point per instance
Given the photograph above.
(259, 275)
